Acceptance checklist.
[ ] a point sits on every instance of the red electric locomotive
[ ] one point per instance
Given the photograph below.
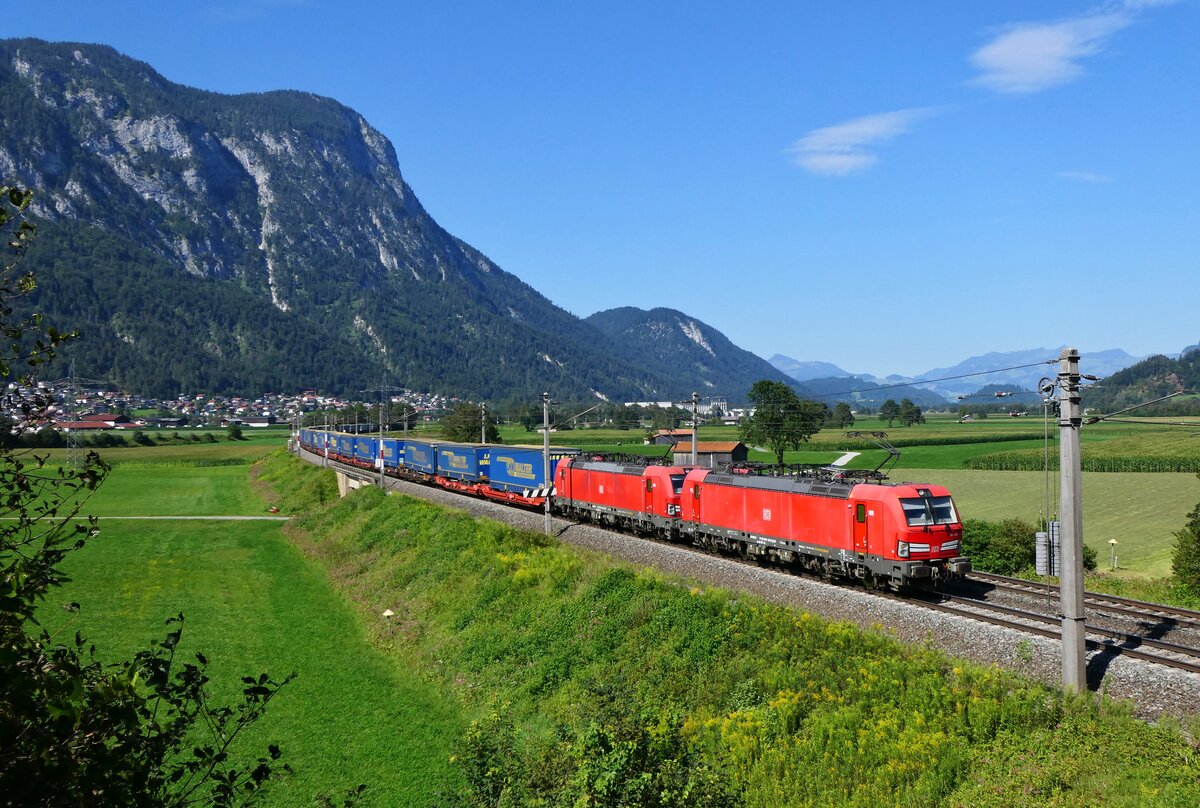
(636, 497)
(899, 536)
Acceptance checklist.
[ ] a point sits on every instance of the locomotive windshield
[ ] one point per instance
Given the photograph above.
(929, 511)
(677, 483)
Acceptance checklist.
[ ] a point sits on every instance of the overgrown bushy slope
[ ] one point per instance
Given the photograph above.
(597, 683)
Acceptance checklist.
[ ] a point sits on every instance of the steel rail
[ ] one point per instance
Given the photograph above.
(1098, 600)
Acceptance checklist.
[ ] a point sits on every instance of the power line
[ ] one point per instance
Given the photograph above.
(1192, 424)
(942, 379)
(1098, 418)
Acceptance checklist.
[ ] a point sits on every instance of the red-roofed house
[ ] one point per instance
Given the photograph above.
(669, 437)
(710, 453)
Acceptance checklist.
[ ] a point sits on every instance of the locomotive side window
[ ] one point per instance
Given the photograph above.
(928, 511)
(860, 514)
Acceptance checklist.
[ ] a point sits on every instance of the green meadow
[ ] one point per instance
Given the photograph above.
(519, 670)
(252, 604)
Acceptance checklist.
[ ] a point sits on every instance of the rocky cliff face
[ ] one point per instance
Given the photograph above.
(285, 217)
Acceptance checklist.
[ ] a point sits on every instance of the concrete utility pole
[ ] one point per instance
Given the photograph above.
(483, 423)
(1074, 669)
(384, 391)
(381, 478)
(695, 430)
(546, 478)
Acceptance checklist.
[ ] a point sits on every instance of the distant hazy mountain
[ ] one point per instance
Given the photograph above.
(1021, 369)
(1016, 370)
(803, 371)
(869, 392)
(699, 356)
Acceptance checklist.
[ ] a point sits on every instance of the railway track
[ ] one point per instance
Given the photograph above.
(1105, 640)
(1097, 600)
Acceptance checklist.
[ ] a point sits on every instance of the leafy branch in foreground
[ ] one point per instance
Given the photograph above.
(74, 730)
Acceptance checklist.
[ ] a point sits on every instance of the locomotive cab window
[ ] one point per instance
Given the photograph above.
(677, 483)
(860, 513)
(929, 511)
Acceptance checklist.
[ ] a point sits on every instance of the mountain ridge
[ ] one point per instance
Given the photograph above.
(693, 350)
(291, 209)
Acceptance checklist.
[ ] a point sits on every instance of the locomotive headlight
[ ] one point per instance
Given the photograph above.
(902, 549)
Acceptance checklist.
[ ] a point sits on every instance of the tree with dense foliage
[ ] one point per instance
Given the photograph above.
(842, 416)
(910, 413)
(889, 411)
(1185, 562)
(781, 419)
(75, 731)
(530, 417)
(467, 423)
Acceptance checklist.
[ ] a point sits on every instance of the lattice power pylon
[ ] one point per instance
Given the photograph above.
(70, 388)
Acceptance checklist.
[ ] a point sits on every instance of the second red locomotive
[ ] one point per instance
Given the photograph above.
(898, 536)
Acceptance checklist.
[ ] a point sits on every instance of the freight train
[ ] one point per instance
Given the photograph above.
(826, 521)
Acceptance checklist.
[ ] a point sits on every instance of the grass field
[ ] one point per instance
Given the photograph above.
(1141, 511)
(253, 603)
(488, 617)
(594, 683)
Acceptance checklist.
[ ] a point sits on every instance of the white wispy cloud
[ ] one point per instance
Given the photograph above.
(1031, 56)
(845, 148)
(1084, 176)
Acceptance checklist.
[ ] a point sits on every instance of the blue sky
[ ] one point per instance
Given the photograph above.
(889, 186)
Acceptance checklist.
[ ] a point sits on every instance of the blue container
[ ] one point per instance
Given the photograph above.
(421, 455)
(344, 445)
(393, 452)
(466, 462)
(366, 449)
(521, 470)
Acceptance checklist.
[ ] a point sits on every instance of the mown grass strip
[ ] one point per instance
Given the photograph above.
(253, 603)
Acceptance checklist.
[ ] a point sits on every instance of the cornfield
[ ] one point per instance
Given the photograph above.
(1148, 453)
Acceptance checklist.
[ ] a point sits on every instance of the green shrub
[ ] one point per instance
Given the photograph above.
(1003, 548)
(1008, 547)
(1185, 563)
